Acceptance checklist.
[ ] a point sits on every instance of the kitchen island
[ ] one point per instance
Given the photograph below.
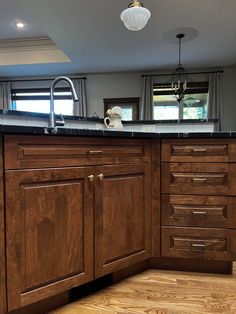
(82, 204)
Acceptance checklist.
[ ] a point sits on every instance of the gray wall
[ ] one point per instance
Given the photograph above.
(111, 86)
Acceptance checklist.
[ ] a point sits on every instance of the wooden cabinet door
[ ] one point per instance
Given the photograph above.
(49, 224)
(122, 216)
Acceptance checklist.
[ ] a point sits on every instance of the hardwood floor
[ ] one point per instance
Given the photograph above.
(156, 291)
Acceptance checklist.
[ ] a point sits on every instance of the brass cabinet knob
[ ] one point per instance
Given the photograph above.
(101, 176)
(91, 178)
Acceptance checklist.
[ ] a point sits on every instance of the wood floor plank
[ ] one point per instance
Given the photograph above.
(161, 292)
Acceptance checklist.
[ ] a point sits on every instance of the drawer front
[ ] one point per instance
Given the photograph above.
(195, 150)
(212, 244)
(47, 151)
(201, 179)
(199, 211)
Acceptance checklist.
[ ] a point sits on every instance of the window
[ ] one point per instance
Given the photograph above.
(38, 100)
(130, 107)
(194, 105)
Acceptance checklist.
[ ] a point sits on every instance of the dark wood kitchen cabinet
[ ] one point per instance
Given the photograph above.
(198, 199)
(49, 232)
(80, 208)
(76, 209)
(122, 217)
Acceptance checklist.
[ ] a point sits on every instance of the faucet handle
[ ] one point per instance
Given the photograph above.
(60, 122)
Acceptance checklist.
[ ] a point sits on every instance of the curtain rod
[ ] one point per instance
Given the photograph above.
(167, 74)
(37, 80)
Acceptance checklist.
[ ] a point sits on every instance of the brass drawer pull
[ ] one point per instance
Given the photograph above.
(198, 212)
(198, 245)
(199, 179)
(91, 178)
(196, 150)
(95, 152)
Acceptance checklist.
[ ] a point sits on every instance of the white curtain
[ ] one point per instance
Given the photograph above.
(5, 95)
(215, 98)
(146, 109)
(80, 107)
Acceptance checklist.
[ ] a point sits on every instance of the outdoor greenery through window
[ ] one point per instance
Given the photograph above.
(38, 100)
(194, 105)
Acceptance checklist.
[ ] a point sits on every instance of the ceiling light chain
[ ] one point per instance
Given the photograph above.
(180, 36)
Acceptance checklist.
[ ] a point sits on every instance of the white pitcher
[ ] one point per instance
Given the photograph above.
(113, 121)
(114, 118)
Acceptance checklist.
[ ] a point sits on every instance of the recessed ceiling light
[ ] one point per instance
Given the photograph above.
(20, 25)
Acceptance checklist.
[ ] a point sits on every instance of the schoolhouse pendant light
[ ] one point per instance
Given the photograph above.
(135, 17)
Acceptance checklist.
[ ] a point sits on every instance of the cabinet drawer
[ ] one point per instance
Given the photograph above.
(201, 178)
(199, 211)
(199, 150)
(47, 151)
(217, 244)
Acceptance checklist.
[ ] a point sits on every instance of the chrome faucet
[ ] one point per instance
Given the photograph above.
(53, 123)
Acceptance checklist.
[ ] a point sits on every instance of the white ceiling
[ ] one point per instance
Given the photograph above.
(92, 35)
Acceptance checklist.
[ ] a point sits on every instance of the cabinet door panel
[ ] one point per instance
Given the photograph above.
(51, 227)
(49, 233)
(122, 217)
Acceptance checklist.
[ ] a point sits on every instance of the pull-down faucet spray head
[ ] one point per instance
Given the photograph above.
(52, 121)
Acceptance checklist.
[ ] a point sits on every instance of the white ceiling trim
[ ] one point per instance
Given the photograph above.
(27, 44)
(39, 50)
(33, 57)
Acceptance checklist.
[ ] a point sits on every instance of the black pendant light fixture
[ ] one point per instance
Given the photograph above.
(179, 77)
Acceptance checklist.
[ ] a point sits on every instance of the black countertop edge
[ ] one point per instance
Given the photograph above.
(45, 115)
(34, 130)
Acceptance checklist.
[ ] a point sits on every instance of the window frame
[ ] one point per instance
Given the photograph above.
(16, 91)
(30, 97)
(131, 101)
(201, 87)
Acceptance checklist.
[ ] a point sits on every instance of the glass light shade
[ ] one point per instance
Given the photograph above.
(135, 18)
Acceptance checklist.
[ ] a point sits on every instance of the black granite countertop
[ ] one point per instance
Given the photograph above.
(34, 130)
